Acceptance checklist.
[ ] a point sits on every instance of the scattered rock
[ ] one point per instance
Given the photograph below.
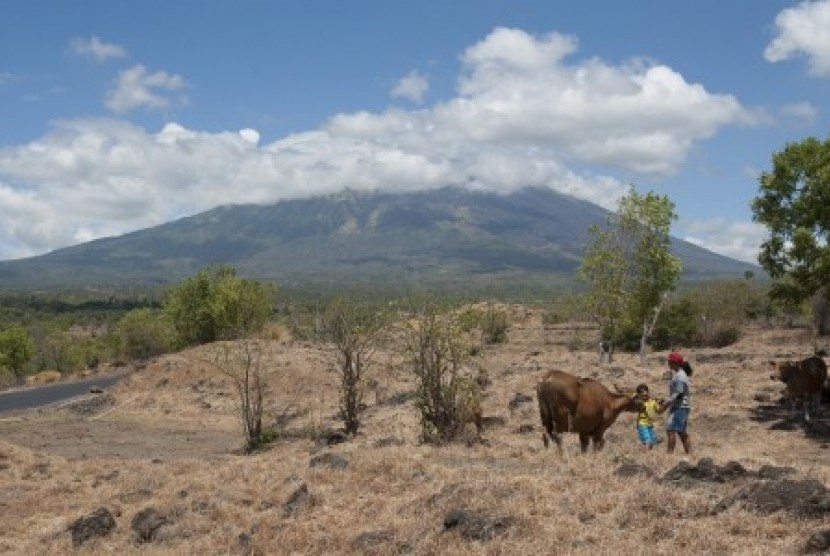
(517, 401)
(146, 524)
(774, 472)
(372, 540)
(804, 498)
(586, 517)
(97, 524)
(684, 473)
(330, 437)
(477, 526)
(817, 543)
(299, 499)
(333, 461)
(525, 428)
(630, 469)
(388, 441)
(92, 405)
(490, 421)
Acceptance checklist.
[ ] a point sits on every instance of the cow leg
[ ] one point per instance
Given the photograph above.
(599, 442)
(584, 440)
(558, 439)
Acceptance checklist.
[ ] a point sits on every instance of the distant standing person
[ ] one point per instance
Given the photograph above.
(678, 403)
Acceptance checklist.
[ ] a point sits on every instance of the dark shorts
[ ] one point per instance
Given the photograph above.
(678, 419)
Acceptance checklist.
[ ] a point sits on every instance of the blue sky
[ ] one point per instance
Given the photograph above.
(120, 115)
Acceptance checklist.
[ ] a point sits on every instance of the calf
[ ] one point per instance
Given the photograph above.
(804, 380)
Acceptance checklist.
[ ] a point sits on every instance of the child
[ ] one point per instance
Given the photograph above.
(645, 418)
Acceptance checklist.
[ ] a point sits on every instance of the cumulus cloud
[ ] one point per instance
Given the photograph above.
(95, 49)
(136, 87)
(412, 87)
(739, 240)
(523, 115)
(803, 30)
(803, 111)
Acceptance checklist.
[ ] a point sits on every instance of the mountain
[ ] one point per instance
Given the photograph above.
(448, 239)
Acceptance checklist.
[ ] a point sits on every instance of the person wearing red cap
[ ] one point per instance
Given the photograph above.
(678, 403)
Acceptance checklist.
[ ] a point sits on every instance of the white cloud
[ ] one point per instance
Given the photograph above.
(739, 240)
(96, 49)
(136, 87)
(803, 111)
(413, 86)
(523, 115)
(803, 30)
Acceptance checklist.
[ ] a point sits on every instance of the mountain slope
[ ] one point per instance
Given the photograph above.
(446, 239)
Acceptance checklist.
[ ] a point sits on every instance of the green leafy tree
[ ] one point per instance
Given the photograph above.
(216, 304)
(144, 333)
(794, 204)
(16, 349)
(629, 268)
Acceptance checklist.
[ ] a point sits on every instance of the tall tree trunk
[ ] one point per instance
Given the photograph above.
(821, 313)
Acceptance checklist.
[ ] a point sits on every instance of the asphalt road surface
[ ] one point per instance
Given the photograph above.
(48, 394)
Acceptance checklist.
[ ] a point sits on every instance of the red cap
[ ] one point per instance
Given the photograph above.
(675, 357)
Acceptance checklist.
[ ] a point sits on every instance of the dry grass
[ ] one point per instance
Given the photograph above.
(168, 442)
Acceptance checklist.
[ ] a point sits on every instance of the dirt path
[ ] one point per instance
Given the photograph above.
(81, 437)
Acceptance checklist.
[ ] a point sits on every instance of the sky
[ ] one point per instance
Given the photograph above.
(118, 115)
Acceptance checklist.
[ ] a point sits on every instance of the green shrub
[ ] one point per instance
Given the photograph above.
(144, 333)
(494, 326)
(16, 349)
(724, 336)
(446, 391)
(216, 304)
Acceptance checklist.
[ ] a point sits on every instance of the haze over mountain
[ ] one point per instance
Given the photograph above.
(447, 239)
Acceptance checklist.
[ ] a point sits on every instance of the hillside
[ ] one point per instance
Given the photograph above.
(158, 454)
(450, 239)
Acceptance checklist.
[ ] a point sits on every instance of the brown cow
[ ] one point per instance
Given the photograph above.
(582, 405)
(804, 379)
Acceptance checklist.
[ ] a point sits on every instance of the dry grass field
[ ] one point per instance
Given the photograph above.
(160, 454)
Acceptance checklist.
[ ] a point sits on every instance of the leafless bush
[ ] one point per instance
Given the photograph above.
(241, 362)
(352, 330)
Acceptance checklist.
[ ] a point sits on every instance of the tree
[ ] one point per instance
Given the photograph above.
(794, 204)
(16, 349)
(352, 329)
(629, 267)
(216, 304)
(144, 333)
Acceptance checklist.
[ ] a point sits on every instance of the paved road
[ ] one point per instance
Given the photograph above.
(52, 393)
